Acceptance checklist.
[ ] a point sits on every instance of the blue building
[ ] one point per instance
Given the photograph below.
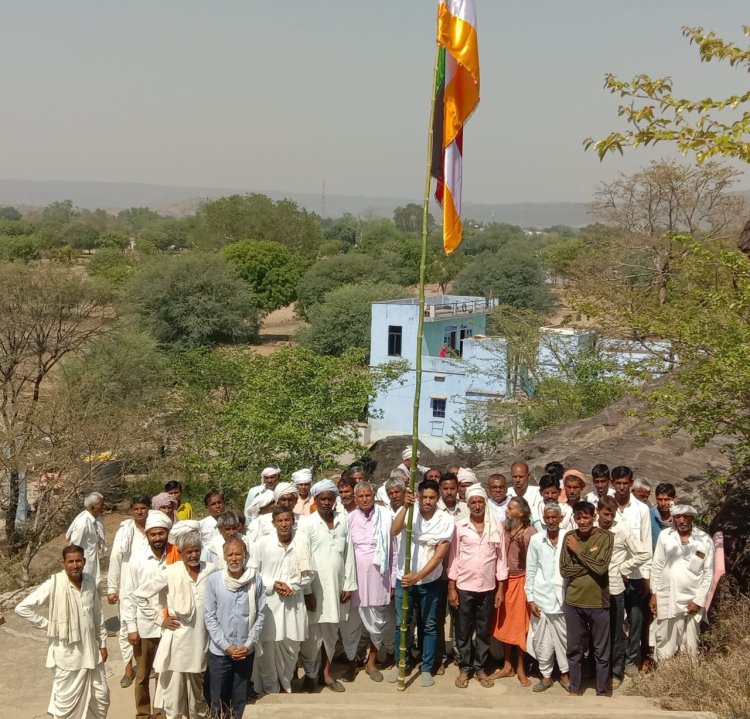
(454, 343)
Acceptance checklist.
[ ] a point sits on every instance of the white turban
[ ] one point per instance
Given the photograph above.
(493, 534)
(283, 488)
(324, 485)
(406, 454)
(157, 518)
(381, 496)
(261, 500)
(302, 476)
(269, 472)
(183, 527)
(466, 476)
(684, 509)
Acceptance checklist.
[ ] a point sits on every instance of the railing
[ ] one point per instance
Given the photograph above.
(452, 309)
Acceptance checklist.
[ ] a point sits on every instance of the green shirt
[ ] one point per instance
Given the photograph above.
(587, 571)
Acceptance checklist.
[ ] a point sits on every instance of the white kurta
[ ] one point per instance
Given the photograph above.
(87, 532)
(332, 553)
(261, 526)
(79, 689)
(209, 528)
(142, 567)
(183, 649)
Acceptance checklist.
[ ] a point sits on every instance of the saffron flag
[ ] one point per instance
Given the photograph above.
(456, 98)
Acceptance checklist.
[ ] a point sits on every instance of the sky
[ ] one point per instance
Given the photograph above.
(283, 94)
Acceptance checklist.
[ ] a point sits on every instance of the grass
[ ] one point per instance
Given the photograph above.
(717, 680)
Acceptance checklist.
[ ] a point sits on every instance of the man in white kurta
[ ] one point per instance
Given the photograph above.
(87, 531)
(283, 563)
(330, 546)
(681, 574)
(181, 658)
(130, 539)
(77, 639)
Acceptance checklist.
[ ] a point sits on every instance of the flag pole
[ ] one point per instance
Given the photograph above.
(404, 628)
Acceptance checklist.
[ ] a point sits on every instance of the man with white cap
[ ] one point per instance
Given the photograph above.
(302, 479)
(268, 480)
(465, 478)
(285, 495)
(142, 631)
(181, 657)
(681, 574)
(259, 523)
(405, 466)
(477, 567)
(332, 553)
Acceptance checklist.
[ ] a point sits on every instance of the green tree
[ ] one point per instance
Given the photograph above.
(295, 407)
(136, 219)
(344, 229)
(192, 300)
(116, 237)
(515, 277)
(342, 320)
(21, 248)
(9, 213)
(111, 265)
(409, 218)
(79, 236)
(655, 114)
(59, 213)
(561, 256)
(270, 270)
(473, 437)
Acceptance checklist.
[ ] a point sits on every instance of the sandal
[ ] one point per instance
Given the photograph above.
(462, 681)
(484, 680)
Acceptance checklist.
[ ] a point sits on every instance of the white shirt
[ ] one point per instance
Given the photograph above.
(70, 657)
(593, 497)
(628, 553)
(426, 535)
(142, 568)
(498, 509)
(636, 517)
(544, 583)
(129, 540)
(532, 494)
(87, 532)
(681, 573)
(209, 529)
(460, 510)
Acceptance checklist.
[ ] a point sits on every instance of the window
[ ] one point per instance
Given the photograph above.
(394, 341)
(437, 406)
(436, 429)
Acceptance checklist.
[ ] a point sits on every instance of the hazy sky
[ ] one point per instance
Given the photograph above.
(279, 94)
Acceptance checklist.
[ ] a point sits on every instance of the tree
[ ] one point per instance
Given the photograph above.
(21, 248)
(116, 237)
(47, 313)
(515, 277)
(344, 229)
(474, 438)
(294, 407)
(59, 213)
(79, 236)
(112, 266)
(270, 270)
(136, 219)
(342, 320)
(9, 213)
(192, 300)
(561, 256)
(655, 114)
(409, 218)
(443, 268)
(655, 204)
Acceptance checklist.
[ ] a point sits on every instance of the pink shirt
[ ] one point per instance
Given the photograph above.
(474, 563)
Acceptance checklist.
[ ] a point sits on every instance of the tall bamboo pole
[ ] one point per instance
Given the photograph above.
(417, 386)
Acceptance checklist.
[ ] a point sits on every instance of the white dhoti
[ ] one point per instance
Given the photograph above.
(122, 640)
(550, 642)
(79, 694)
(325, 634)
(390, 628)
(274, 666)
(180, 694)
(374, 621)
(677, 634)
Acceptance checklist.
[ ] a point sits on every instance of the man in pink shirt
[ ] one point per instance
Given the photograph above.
(477, 566)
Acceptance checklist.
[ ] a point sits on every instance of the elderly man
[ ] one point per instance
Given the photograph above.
(181, 657)
(465, 478)
(285, 495)
(498, 496)
(302, 479)
(584, 564)
(681, 576)
(87, 531)
(260, 523)
(283, 563)
(130, 539)
(229, 528)
(167, 503)
(544, 588)
(549, 488)
(269, 477)
(477, 567)
(521, 476)
(332, 553)
(635, 516)
(406, 460)
(76, 638)
(143, 633)
(234, 608)
(370, 530)
(432, 531)
(628, 553)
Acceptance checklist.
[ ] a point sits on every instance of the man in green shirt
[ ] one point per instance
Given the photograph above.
(584, 565)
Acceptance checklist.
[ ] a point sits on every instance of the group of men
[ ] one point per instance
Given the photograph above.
(240, 602)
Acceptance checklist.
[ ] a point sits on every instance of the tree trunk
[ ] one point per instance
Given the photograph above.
(10, 512)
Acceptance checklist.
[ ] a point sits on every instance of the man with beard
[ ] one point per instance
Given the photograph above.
(346, 498)
(234, 604)
(330, 546)
(130, 539)
(681, 578)
(181, 657)
(143, 632)
(76, 638)
(584, 563)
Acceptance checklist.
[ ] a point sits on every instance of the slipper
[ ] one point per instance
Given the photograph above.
(126, 681)
(462, 681)
(336, 686)
(541, 686)
(440, 670)
(376, 675)
(484, 680)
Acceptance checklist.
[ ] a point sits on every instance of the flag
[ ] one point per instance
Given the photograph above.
(456, 98)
